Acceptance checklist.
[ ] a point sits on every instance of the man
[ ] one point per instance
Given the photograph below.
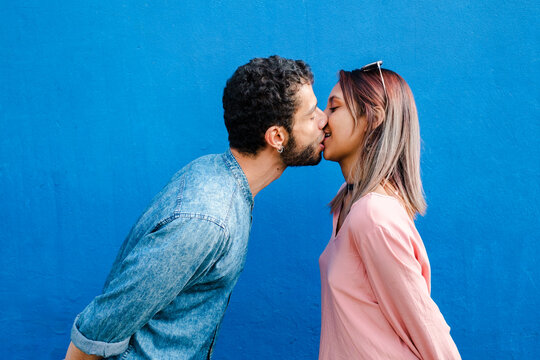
(170, 284)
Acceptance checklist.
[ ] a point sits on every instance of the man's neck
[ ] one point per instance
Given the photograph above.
(261, 169)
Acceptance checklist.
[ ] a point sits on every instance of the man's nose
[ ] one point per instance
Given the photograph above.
(323, 119)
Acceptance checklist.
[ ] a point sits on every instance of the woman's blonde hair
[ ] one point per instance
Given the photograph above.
(390, 152)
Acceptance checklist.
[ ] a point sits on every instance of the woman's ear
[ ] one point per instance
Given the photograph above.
(276, 137)
(378, 116)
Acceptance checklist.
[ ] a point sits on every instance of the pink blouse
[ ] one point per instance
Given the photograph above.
(375, 288)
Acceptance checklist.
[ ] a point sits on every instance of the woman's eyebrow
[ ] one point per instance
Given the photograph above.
(332, 98)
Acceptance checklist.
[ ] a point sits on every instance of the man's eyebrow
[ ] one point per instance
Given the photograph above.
(312, 109)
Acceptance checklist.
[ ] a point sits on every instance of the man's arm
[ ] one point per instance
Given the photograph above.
(156, 270)
(73, 353)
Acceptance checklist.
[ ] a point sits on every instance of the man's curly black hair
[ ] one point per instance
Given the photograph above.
(261, 94)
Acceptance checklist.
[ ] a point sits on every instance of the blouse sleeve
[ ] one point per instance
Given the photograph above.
(396, 278)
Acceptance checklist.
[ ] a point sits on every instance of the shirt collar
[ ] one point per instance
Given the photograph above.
(239, 175)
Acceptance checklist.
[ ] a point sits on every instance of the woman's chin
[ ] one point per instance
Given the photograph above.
(327, 156)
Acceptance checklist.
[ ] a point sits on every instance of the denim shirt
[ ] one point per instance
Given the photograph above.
(170, 284)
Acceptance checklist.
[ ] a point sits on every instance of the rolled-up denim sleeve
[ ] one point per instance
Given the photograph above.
(154, 272)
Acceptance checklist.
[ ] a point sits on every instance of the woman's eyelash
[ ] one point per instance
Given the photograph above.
(332, 109)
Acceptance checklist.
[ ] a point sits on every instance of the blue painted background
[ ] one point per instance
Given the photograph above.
(101, 104)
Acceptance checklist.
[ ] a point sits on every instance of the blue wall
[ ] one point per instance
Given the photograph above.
(101, 104)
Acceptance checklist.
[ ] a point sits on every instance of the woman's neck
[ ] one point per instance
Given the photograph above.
(347, 168)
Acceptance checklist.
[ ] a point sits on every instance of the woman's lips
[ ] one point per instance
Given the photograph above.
(326, 136)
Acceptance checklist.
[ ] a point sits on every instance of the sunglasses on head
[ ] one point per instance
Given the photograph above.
(373, 66)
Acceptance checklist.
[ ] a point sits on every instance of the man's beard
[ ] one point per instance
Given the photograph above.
(292, 155)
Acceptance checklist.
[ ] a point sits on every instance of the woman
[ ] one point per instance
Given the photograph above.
(375, 272)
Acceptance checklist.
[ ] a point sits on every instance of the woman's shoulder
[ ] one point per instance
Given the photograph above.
(375, 210)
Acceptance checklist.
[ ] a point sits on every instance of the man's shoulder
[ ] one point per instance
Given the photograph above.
(206, 166)
(203, 169)
(208, 186)
(209, 173)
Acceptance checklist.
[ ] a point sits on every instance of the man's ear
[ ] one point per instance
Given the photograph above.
(276, 137)
(378, 116)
